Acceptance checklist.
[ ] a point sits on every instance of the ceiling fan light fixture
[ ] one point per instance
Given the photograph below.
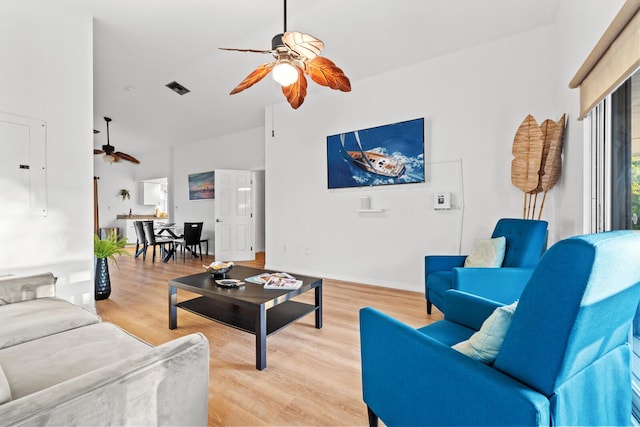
(284, 72)
(296, 54)
(109, 158)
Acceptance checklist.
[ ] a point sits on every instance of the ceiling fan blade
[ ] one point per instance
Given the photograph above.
(253, 78)
(96, 151)
(324, 72)
(245, 50)
(296, 91)
(305, 45)
(120, 155)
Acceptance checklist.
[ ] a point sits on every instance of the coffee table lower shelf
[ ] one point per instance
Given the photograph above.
(250, 308)
(243, 318)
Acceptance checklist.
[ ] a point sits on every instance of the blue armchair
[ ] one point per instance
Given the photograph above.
(564, 362)
(526, 241)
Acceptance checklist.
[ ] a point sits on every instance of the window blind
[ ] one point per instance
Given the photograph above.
(614, 58)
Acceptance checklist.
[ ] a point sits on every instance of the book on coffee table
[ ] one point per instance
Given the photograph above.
(261, 279)
(283, 283)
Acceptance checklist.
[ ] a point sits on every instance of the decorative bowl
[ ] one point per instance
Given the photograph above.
(218, 269)
(230, 283)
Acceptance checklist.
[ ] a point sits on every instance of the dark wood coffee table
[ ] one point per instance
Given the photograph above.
(250, 308)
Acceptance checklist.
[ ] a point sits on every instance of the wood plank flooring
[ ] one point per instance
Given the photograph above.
(312, 375)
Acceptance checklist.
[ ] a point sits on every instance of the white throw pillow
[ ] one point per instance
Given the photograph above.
(487, 253)
(485, 344)
(5, 391)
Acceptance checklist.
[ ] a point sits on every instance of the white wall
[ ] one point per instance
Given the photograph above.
(46, 74)
(473, 101)
(579, 26)
(243, 150)
(126, 175)
(259, 207)
(113, 178)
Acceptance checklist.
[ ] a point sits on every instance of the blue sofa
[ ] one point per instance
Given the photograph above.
(564, 359)
(526, 241)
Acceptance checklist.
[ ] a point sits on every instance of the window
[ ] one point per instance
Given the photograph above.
(614, 121)
(615, 181)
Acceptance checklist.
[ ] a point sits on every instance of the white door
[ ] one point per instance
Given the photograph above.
(234, 231)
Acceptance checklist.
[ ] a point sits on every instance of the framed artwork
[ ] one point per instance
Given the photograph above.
(383, 155)
(201, 186)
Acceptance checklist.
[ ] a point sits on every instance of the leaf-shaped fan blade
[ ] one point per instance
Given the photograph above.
(96, 151)
(245, 50)
(326, 73)
(547, 128)
(527, 155)
(296, 91)
(126, 156)
(552, 157)
(253, 78)
(305, 45)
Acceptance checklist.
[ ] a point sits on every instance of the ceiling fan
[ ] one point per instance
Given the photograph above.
(109, 151)
(295, 54)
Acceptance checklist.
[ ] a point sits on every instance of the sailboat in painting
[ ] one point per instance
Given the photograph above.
(373, 162)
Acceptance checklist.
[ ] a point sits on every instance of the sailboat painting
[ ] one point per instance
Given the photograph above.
(383, 155)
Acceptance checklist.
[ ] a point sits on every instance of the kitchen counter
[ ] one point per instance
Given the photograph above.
(137, 217)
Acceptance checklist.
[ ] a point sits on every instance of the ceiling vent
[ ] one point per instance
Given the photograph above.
(177, 88)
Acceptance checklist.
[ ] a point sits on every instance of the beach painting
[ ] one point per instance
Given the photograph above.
(383, 155)
(201, 186)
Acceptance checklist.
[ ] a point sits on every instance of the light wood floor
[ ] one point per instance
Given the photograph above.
(312, 375)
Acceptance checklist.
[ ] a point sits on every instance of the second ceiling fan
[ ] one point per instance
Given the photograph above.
(295, 54)
(109, 151)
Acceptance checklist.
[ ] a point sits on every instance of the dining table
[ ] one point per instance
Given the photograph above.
(170, 228)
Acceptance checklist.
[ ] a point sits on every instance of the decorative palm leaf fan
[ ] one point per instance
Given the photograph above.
(537, 160)
(109, 151)
(295, 54)
(527, 155)
(551, 166)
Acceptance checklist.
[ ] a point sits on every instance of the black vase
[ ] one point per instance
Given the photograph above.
(102, 282)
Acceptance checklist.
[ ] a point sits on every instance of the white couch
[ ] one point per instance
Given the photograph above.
(60, 365)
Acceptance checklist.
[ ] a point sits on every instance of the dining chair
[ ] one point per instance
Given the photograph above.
(141, 240)
(191, 239)
(166, 244)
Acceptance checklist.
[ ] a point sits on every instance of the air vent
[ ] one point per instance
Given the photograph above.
(177, 88)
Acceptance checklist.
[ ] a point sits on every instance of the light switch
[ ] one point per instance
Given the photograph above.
(442, 200)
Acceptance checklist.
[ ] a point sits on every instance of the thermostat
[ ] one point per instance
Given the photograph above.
(442, 201)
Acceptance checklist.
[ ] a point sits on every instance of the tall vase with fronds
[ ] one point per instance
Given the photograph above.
(537, 160)
(104, 250)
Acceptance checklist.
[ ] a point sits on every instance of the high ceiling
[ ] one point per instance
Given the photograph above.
(141, 45)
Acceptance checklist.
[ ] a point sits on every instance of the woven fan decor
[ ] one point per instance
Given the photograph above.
(537, 160)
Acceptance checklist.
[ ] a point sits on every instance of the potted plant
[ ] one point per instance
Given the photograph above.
(103, 250)
(125, 194)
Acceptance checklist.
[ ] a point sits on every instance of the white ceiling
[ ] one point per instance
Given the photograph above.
(145, 44)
